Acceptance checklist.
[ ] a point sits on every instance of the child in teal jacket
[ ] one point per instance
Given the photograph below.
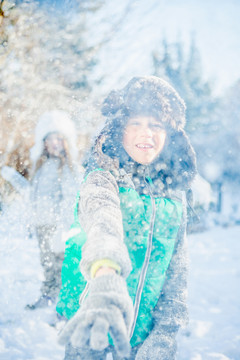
(124, 273)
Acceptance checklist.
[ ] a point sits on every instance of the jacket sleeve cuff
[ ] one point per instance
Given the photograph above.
(104, 263)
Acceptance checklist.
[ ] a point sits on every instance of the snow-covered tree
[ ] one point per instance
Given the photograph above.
(44, 64)
(230, 133)
(185, 74)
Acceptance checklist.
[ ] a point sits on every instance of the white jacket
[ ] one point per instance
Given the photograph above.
(53, 196)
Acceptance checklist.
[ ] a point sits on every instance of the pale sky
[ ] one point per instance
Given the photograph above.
(143, 23)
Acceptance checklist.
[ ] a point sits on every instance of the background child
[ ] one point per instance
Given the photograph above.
(54, 187)
(132, 243)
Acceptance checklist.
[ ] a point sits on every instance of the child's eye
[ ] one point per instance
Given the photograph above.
(156, 126)
(134, 123)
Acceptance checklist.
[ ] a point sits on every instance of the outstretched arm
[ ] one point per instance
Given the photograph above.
(15, 179)
(108, 307)
(100, 217)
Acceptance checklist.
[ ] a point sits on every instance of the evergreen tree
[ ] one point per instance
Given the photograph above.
(230, 133)
(185, 74)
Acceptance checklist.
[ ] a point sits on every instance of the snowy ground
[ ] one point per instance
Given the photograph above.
(214, 330)
(214, 293)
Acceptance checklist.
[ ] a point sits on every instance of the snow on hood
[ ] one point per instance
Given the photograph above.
(54, 121)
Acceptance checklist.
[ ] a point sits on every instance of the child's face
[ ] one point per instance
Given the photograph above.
(143, 139)
(54, 144)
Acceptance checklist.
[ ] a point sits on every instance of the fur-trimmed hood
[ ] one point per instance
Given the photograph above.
(175, 167)
(147, 95)
(54, 121)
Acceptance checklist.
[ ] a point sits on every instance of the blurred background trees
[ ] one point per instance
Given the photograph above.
(44, 64)
(213, 122)
(183, 69)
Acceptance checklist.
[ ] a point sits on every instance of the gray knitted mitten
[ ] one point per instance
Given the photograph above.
(107, 309)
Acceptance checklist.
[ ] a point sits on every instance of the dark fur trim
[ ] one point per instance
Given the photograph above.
(176, 166)
(150, 96)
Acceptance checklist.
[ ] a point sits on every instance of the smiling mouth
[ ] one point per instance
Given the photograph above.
(144, 146)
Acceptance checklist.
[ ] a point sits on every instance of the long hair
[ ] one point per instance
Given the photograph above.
(65, 157)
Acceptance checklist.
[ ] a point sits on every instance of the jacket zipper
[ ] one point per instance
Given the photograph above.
(84, 294)
(146, 262)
